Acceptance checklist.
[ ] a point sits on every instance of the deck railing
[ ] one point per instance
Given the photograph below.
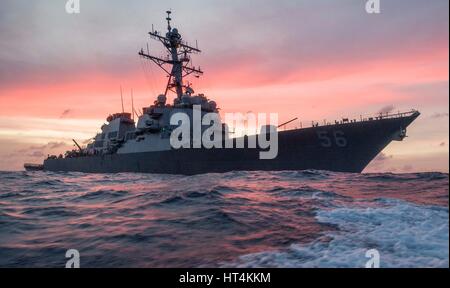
(379, 116)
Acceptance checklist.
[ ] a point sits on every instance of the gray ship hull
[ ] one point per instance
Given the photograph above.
(347, 147)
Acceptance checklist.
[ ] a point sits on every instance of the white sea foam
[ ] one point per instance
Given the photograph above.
(405, 234)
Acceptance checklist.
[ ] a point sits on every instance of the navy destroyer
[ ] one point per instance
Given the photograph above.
(347, 145)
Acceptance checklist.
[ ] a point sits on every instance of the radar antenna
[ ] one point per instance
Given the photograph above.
(178, 58)
(168, 20)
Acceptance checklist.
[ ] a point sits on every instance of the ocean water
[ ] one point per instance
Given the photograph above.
(237, 219)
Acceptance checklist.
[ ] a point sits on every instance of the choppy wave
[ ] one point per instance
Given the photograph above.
(404, 234)
(237, 219)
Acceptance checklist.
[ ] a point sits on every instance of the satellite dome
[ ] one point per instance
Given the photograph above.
(162, 99)
(213, 105)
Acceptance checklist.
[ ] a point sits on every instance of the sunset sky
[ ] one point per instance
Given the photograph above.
(60, 73)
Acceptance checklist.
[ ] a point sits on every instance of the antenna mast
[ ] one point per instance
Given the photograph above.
(121, 99)
(178, 58)
(132, 104)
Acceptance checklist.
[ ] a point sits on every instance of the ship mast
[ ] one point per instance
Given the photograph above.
(178, 58)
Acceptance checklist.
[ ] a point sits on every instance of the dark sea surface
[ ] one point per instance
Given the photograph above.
(238, 219)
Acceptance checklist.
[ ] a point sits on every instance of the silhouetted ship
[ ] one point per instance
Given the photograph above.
(125, 146)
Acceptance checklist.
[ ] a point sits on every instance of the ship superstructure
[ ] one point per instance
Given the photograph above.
(153, 127)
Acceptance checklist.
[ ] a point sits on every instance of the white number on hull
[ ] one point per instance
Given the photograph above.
(340, 139)
(337, 138)
(325, 140)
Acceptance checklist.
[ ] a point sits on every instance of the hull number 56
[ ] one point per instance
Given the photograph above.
(327, 139)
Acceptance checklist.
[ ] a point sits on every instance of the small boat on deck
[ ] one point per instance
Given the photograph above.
(33, 167)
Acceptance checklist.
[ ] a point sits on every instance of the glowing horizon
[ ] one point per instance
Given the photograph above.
(60, 74)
